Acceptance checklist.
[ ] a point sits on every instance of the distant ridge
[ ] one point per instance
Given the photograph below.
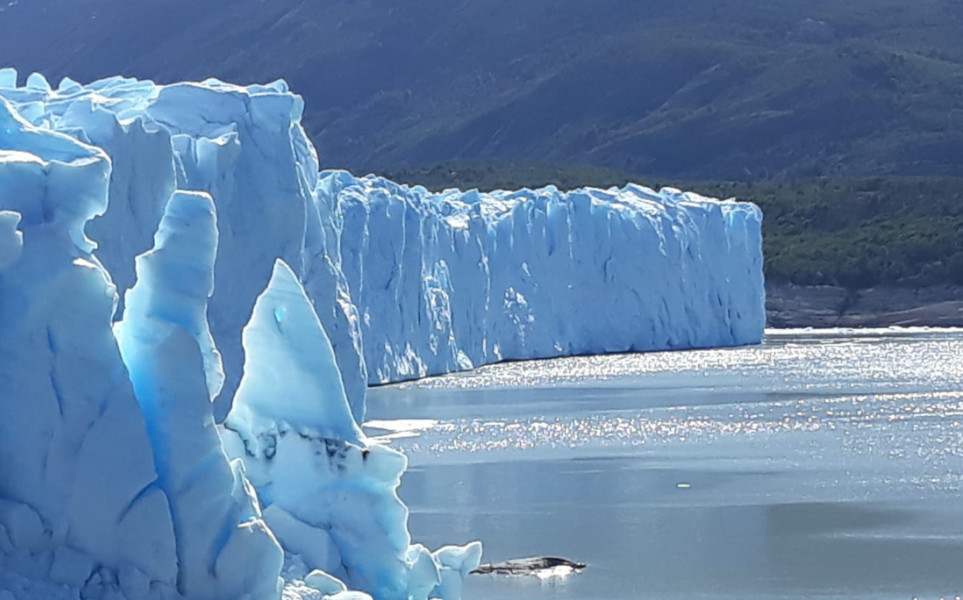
(701, 89)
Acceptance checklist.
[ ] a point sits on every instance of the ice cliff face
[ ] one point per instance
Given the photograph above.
(67, 403)
(407, 283)
(258, 293)
(449, 281)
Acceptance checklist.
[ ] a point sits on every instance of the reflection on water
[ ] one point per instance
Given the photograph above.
(819, 464)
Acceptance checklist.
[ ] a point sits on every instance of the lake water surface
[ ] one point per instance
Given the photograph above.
(822, 464)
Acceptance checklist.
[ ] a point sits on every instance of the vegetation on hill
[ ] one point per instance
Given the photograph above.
(699, 89)
(859, 233)
(855, 233)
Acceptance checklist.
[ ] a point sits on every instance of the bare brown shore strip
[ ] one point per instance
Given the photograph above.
(790, 305)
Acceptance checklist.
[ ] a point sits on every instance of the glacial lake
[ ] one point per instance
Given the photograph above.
(821, 464)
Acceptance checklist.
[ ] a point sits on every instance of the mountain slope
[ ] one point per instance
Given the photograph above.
(702, 89)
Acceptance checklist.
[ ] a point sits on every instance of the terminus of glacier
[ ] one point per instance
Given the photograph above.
(403, 283)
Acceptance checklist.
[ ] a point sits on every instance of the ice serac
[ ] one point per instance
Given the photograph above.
(224, 549)
(291, 374)
(245, 146)
(328, 495)
(447, 281)
(141, 182)
(175, 280)
(79, 502)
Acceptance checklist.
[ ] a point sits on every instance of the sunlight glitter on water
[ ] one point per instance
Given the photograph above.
(887, 396)
(883, 413)
(821, 464)
(803, 359)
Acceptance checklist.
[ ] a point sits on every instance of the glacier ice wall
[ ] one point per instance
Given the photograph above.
(74, 510)
(244, 147)
(449, 281)
(386, 282)
(408, 283)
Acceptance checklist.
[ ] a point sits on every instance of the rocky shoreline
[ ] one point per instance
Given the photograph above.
(790, 305)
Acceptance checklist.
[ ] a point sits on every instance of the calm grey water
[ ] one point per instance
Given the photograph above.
(818, 465)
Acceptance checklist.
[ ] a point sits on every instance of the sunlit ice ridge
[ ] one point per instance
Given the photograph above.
(191, 312)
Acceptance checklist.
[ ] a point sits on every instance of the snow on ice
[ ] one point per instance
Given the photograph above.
(190, 313)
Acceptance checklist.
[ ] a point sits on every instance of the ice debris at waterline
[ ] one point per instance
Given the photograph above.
(261, 294)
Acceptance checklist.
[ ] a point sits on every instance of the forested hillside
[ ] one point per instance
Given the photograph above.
(700, 89)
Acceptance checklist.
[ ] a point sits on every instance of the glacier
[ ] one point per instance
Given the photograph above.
(450, 281)
(166, 345)
(191, 312)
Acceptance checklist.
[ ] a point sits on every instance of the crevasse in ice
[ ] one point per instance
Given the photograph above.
(115, 481)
